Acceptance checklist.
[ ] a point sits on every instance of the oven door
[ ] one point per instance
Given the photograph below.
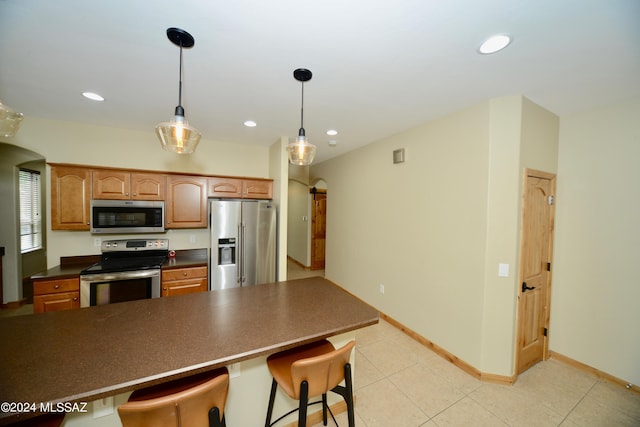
(109, 288)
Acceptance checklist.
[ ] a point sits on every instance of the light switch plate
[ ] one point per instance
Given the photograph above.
(503, 270)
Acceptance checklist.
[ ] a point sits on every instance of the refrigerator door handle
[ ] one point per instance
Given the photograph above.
(239, 256)
(242, 250)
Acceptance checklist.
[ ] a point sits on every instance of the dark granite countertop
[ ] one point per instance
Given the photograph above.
(94, 352)
(188, 258)
(72, 266)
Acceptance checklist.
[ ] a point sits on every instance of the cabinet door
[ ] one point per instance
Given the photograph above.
(257, 189)
(111, 184)
(147, 186)
(56, 302)
(225, 187)
(186, 204)
(70, 198)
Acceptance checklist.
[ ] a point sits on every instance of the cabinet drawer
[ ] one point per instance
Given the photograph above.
(55, 286)
(183, 287)
(184, 273)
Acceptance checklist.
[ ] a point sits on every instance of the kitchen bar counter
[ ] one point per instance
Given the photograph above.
(90, 353)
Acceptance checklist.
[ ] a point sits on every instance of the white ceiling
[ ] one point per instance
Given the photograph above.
(379, 67)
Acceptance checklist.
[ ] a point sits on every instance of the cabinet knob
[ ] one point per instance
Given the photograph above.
(75, 298)
(185, 273)
(164, 289)
(56, 286)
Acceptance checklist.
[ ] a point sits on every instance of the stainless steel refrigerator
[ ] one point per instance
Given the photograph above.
(243, 243)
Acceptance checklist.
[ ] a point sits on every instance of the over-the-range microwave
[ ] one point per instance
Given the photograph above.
(127, 216)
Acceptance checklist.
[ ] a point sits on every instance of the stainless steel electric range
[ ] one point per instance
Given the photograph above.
(129, 270)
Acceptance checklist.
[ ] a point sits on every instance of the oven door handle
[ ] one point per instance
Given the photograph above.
(119, 275)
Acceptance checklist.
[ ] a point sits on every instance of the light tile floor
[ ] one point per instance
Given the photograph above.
(401, 383)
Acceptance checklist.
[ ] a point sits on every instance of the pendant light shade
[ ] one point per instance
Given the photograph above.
(301, 151)
(177, 135)
(10, 121)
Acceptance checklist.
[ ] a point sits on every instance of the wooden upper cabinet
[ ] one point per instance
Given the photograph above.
(258, 189)
(147, 186)
(224, 187)
(186, 202)
(123, 185)
(240, 188)
(70, 198)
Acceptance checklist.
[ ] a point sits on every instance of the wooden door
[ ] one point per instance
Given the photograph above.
(318, 230)
(535, 269)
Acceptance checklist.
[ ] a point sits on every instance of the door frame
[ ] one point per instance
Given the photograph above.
(527, 172)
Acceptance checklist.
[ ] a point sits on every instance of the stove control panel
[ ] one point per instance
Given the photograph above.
(135, 245)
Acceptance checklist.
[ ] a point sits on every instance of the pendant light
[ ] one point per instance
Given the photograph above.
(176, 135)
(301, 151)
(10, 121)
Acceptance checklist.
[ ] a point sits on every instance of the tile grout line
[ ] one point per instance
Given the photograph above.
(578, 403)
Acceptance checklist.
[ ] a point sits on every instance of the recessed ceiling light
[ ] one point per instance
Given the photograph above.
(494, 43)
(250, 124)
(93, 96)
(332, 132)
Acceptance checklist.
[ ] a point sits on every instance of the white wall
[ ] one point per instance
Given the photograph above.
(298, 237)
(418, 228)
(596, 270)
(279, 172)
(433, 230)
(11, 157)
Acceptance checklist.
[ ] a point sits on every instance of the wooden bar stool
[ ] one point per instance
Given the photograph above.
(312, 370)
(195, 401)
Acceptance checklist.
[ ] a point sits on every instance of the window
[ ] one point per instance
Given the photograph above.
(30, 224)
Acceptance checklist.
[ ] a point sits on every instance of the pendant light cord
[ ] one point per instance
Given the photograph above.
(302, 109)
(180, 73)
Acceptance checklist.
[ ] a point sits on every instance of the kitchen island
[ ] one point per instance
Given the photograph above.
(91, 353)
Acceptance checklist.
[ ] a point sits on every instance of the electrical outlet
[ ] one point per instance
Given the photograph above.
(192, 238)
(381, 287)
(234, 370)
(97, 242)
(103, 407)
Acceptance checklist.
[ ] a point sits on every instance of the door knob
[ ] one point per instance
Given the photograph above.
(527, 288)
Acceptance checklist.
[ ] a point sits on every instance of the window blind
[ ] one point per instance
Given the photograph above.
(30, 218)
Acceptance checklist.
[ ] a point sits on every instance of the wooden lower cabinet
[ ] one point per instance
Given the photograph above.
(55, 295)
(180, 281)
